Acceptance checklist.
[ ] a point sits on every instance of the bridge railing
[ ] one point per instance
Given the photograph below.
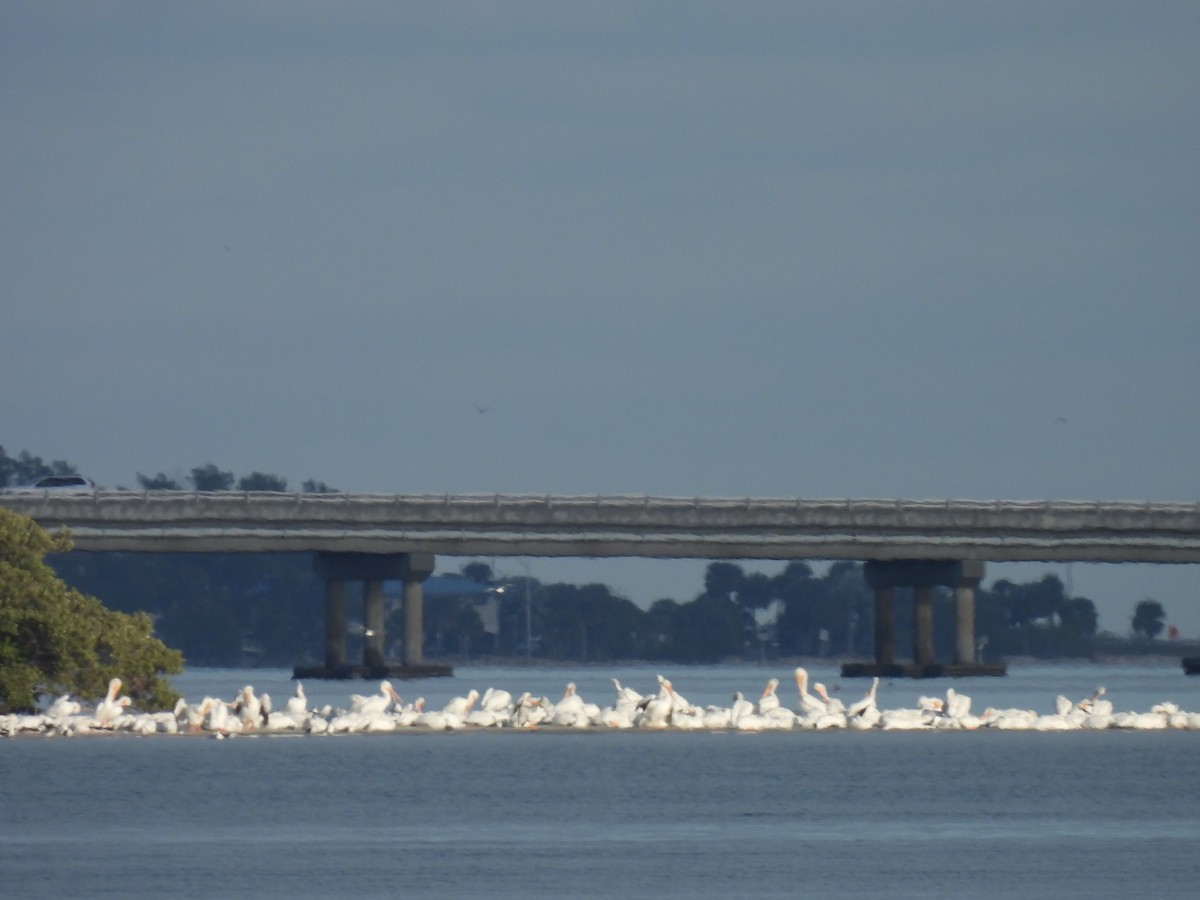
(698, 513)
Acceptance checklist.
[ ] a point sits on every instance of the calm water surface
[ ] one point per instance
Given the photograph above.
(615, 814)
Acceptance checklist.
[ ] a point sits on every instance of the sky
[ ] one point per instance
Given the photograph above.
(918, 250)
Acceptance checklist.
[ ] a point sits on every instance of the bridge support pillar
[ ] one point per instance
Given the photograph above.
(923, 576)
(964, 625)
(885, 625)
(335, 624)
(373, 624)
(416, 567)
(372, 569)
(923, 625)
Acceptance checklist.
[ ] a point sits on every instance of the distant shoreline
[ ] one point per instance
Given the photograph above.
(1147, 660)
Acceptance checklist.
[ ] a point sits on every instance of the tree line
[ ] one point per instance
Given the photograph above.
(227, 609)
(748, 615)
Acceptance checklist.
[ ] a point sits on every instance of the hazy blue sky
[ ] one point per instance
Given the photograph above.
(774, 249)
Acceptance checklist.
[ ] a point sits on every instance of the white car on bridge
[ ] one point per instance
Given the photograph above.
(57, 484)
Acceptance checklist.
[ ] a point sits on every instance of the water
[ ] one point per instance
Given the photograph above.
(617, 814)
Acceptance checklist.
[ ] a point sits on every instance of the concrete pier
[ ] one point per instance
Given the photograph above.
(964, 625)
(923, 625)
(885, 625)
(922, 576)
(373, 623)
(372, 569)
(335, 624)
(414, 569)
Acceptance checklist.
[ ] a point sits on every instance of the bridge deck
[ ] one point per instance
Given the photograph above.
(618, 525)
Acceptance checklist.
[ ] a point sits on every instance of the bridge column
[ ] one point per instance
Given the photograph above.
(884, 576)
(885, 625)
(372, 569)
(923, 625)
(335, 625)
(415, 568)
(373, 624)
(969, 575)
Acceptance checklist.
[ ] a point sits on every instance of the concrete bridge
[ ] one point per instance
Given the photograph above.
(371, 538)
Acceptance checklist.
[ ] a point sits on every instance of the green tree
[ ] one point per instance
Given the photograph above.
(1038, 600)
(312, 486)
(838, 606)
(8, 469)
(1148, 618)
(1078, 616)
(453, 623)
(159, 482)
(54, 639)
(590, 624)
(209, 478)
(722, 579)
(477, 571)
(707, 630)
(25, 468)
(261, 481)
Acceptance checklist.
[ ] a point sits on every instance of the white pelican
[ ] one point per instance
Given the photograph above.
(166, 722)
(656, 710)
(570, 703)
(408, 715)
(834, 715)
(740, 707)
(626, 694)
(192, 715)
(678, 701)
(249, 709)
(1009, 719)
(864, 713)
(219, 721)
(375, 703)
(380, 721)
(349, 722)
(768, 701)
(931, 704)
(955, 713)
(297, 705)
(572, 711)
(905, 719)
(1102, 707)
(867, 702)
(718, 717)
(316, 724)
(742, 715)
(485, 718)
(432, 719)
(619, 716)
(779, 718)
(529, 711)
(958, 706)
(689, 718)
(108, 709)
(495, 701)
(1088, 704)
(625, 707)
(460, 706)
(808, 704)
(64, 706)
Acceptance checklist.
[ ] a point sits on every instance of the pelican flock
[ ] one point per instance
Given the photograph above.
(385, 711)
